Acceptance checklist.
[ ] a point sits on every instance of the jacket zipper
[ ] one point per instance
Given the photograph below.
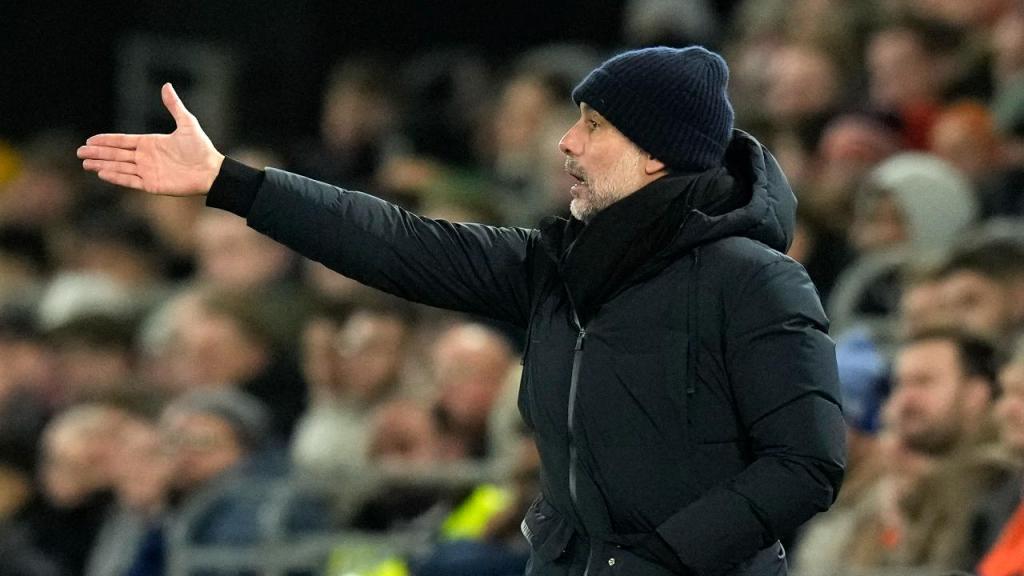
(577, 359)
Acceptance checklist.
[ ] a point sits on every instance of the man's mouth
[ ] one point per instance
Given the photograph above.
(578, 175)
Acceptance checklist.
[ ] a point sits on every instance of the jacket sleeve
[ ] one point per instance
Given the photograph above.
(782, 371)
(466, 267)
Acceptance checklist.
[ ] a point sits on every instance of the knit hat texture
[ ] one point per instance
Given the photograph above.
(671, 102)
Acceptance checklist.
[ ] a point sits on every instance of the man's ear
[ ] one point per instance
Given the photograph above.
(652, 166)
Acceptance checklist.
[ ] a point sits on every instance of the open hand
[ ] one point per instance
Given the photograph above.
(182, 163)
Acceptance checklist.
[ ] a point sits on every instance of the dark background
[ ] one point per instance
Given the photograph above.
(58, 59)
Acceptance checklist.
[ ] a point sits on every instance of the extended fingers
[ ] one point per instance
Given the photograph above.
(102, 152)
(110, 166)
(126, 141)
(121, 179)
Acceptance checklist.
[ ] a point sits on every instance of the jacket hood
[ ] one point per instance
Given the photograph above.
(936, 200)
(770, 214)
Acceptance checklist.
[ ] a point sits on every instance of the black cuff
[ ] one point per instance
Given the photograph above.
(235, 187)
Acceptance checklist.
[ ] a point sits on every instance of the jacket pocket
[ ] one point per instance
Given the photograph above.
(547, 531)
(611, 559)
(770, 561)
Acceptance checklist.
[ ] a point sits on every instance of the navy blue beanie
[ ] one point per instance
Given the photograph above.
(671, 102)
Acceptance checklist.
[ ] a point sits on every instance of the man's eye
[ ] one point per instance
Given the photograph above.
(592, 124)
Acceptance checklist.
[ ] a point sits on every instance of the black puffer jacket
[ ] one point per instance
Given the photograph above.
(686, 416)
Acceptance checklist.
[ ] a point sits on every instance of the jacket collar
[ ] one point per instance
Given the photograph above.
(598, 260)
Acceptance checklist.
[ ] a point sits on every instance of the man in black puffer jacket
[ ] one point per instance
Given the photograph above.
(678, 374)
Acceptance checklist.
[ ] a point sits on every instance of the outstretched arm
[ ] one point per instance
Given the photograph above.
(467, 267)
(182, 163)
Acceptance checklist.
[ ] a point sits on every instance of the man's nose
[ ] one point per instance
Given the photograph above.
(570, 142)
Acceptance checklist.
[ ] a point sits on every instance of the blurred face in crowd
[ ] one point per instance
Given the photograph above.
(935, 405)
(141, 467)
(369, 351)
(965, 138)
(201, 447)
(921, 307)
(878, 223)
(38, 195)
(900, 71)
(606, 164)
(849, 148)
(470, 364)
(173, 220)
(1010, 406)
(27, 363)
(403, 432)
(354, 114)
(77, 451)
(233, 256)
(1008, 45)
(525, 102)
(213, 349)
(129, 267)
(88, 369)
(804, 82)
(981, 304)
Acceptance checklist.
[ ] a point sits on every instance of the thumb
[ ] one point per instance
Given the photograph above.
(174, 105)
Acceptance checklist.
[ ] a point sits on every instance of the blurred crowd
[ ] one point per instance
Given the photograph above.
(170, 378)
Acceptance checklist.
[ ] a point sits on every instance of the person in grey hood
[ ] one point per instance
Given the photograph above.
(678, 375)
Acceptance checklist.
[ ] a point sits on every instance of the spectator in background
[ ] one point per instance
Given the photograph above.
(914, 201)
(208, 433)
(45, 188)
(964, 136)
(851, 145)
(982, 287)
(942, 406)
(910, 206)
(115, 245)
(470, 366)
(863, 530)
(233, 257)
(357, 367)
(405, 457)
(1008, 45)
(77, 480)
(214, 440)
(358, 118)
(28, 378)
(173, 223)
(141, 472)
(921, 303)
(999, 531)
(938, 424)
(804, 89)
(223, 339)
(529, 98)
(944, 384)
(403, 433)
(910, 68)
(94, 355)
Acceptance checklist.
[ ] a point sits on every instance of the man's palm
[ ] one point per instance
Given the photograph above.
(182, 163)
